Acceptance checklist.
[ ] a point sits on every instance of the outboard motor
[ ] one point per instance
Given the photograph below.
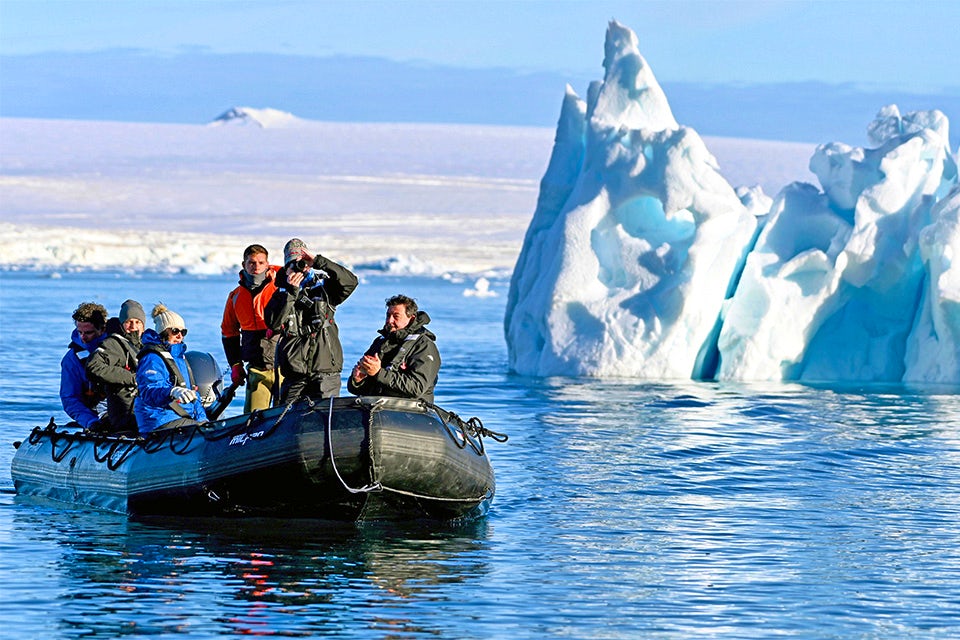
(207, 375)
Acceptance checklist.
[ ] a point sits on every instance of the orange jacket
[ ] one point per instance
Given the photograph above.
(242, 327)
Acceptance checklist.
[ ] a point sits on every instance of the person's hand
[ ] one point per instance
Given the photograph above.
(370, 364)
(294, 278)
(98, 427)
(183, 395)
(237, 374)
(357, 374)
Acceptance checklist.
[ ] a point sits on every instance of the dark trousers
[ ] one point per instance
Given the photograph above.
(317, 385)
(120, 413)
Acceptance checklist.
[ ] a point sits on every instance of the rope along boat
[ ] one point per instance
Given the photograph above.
(366, 458)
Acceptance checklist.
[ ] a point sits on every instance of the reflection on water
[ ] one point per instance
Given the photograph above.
(677, 510)
(623, 509)
(295, 578)
(697, 505)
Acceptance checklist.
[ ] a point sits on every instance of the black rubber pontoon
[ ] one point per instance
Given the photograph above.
(340, 459)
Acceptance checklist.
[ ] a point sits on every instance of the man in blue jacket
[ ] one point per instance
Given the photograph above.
(78, 395)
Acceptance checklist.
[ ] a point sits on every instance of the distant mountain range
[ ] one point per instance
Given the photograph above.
(195, 87)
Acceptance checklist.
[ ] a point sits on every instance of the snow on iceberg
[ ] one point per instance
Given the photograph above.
(640, 259)
(834, 286)
(933, 349)
(635, 239)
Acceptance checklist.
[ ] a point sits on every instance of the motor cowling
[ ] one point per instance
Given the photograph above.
(207, 376)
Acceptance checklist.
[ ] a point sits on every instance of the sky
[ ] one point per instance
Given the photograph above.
(880, 42)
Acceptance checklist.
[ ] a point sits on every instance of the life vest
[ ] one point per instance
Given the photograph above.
(311, 313)
(399, 359)
(245, 305)
(176, 378)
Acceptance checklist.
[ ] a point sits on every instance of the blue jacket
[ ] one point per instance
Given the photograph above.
(154, 382)
(77, 395)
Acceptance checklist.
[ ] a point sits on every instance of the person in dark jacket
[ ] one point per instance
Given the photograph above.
(79, 396)
(404, 361)
(244, 331)
(166, 392)
(114, 366)
(309, 289)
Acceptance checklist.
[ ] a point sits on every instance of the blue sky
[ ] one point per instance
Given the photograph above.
(910, 45)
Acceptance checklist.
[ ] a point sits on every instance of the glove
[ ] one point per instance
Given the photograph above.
(183, 395)
(237, 374)
(98, 427)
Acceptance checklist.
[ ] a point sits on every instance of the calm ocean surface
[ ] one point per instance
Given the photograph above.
(623, 509)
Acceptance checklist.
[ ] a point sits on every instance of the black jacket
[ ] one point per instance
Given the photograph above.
(304, 318)
(410, 363)
(114, 364)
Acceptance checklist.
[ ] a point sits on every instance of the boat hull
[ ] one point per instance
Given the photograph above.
(345, 459)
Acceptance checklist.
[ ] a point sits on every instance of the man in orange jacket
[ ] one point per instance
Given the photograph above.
(245, 335)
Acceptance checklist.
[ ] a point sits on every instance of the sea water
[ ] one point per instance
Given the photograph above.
(623, 508)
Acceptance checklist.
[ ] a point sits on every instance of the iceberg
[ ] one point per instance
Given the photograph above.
(635, 239)
(642, 261)
(833, 287)
(933, 347)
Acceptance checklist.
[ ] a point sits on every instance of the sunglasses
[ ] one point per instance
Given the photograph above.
(178, 332)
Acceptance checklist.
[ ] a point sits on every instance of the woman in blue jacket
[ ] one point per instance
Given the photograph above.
(166, 392)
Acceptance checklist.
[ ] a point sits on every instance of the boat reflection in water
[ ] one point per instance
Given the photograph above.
(228, 576)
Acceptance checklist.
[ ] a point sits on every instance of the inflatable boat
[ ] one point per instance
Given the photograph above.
(366, 458)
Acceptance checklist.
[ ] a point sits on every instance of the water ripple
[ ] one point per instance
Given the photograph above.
(623, 509)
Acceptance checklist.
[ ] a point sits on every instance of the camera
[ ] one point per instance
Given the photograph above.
(303, 302)
(299, 265)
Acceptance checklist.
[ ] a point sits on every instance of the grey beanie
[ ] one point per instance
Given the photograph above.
(131, 310)
(294, 250)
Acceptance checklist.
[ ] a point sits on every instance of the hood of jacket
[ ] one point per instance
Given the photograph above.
(417, 325)
(151, 337)
(89, 346)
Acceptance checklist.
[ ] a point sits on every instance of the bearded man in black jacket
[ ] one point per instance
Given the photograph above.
(403, 362)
